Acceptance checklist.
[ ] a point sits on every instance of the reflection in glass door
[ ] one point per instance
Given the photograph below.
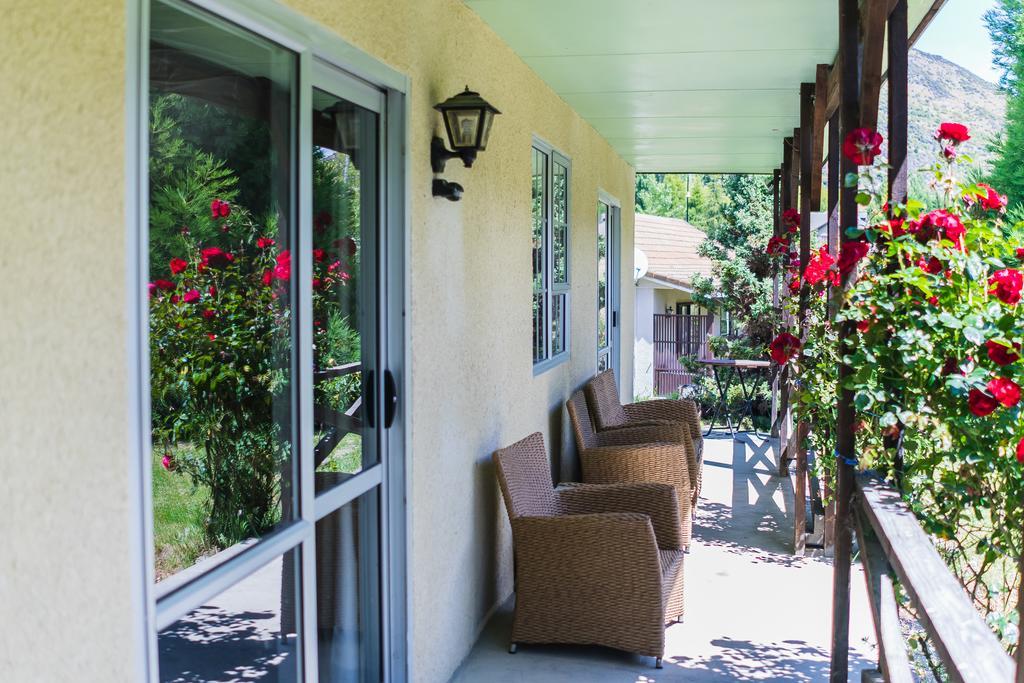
(347, 420)
(271, 397)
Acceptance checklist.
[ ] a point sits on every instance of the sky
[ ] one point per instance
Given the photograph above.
(959, 34)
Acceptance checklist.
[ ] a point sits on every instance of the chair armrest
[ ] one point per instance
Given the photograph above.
(664, 432)
(679, 410)
(658, 502)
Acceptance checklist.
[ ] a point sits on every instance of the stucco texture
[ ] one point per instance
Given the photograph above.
(65, 583)
(473, 388)
(66, 588)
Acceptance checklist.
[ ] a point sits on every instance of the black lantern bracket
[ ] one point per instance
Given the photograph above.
(439, 155)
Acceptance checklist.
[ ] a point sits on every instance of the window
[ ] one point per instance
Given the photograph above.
(550, 214)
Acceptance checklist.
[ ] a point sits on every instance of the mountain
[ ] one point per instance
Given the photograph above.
(943, 91)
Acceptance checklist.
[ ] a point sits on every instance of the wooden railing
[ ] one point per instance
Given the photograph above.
(333, 423)
(894, 546)
(675, 337)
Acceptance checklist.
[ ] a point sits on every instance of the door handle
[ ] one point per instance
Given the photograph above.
(370, 399)
(390, 399)
(615, 318)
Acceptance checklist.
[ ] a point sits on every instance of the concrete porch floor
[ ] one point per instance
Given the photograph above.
(754, 612)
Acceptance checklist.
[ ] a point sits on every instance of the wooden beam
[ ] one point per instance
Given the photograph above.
(875, 14)
(832, 100)
(818, 138)
(787, 175)
(898, 103)
(807, 164)
(834, 162)
(849, 118)
(794, 169)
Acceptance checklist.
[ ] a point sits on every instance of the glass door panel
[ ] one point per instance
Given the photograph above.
(345, 245)
(221, 297)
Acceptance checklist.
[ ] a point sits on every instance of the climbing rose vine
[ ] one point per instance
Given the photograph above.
(933, 298)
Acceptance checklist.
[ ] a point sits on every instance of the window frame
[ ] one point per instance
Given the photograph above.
(552, 289)
(157, 606)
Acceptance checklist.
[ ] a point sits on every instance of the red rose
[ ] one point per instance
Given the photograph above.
(1006, 285)
(211, 336)
(216, 257)
(954, 132)
(1002, 355)
(980, 403)
(820, 268)
(990, 199)
(863, 326)
(209, 313)
(1020, 451)
(264, 242)
(283, 269)
(851, 253)
(212, 291)
(794, 285)
(219, 209)
(949, 151)
(191, 296)
(791, 220)
(1006, 391)
(1020, 252)
(862, 145)
(784, 347)
(318, 255)
(267, 277)
(178, 265)
(938, 224)
(165, 285)
(167, 462)
(778, 245)
(344, 276)
(933, 300)
(932, 266)
(174, 298)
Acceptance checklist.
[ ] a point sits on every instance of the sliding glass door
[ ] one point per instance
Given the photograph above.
(272, 400)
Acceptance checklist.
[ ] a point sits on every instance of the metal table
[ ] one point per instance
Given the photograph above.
(730, 369)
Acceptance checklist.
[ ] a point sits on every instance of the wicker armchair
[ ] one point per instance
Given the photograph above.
(661, 453)
(595, 565)
(610, 414)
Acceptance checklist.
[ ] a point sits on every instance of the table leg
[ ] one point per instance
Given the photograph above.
(723, 396)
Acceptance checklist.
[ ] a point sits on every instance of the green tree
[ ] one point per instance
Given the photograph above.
(1005, 24)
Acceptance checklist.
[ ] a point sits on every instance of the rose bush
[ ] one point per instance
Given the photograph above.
(933, 297)
(221, 344)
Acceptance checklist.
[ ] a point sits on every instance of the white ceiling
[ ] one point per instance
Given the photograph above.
(679, 85)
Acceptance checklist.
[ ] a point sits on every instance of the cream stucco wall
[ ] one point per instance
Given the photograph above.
(64, 444)
(473, 388)
(66, 598)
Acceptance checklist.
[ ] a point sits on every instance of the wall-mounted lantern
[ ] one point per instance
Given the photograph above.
(467, 121)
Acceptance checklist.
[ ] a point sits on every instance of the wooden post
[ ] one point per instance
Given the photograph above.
(807, 148)
(849, 113)
(834, 180)
(777, 228)
(899, 51)
(785, 203)
(1019, 677)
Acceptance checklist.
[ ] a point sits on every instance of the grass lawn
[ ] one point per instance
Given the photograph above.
(179, 519)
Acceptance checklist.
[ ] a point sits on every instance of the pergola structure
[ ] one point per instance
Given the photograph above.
(707, 102)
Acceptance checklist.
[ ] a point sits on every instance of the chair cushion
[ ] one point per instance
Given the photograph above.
(603, 398)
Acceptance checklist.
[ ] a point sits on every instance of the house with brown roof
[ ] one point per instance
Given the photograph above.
(669, 324)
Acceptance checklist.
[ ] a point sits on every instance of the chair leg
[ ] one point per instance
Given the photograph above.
(512, 647)
(657, 663)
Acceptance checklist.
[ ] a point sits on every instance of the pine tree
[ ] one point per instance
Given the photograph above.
(1005, 24)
